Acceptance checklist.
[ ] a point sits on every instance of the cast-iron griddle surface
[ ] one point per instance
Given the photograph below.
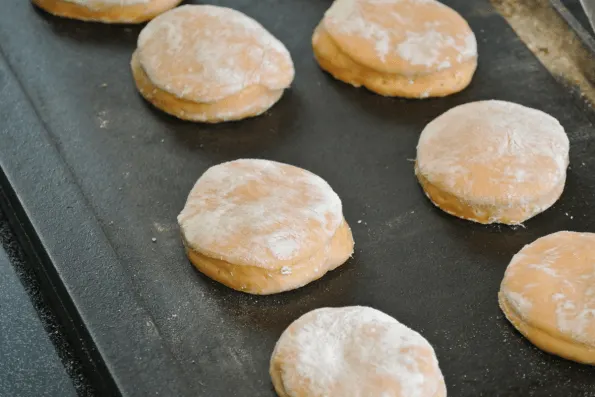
(134, 167)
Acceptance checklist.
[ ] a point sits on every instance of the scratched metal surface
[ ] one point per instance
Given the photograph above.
(124, 170)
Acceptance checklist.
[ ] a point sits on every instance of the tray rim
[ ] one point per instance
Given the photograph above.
(93, 333)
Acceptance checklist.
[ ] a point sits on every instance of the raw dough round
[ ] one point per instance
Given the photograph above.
(406, 48)
(493, 161)
(107, 11)
(210, 64)
(263, 227)
(354, 352)
(548, 294)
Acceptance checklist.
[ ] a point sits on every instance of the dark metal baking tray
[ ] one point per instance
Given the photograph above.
(91, 173)
(29, 364)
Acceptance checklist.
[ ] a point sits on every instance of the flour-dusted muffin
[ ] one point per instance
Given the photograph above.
(493, 161)
(107, 11)
(405, 48)
(264, 227)
(210, 64)
(354, 352)
(548, 294)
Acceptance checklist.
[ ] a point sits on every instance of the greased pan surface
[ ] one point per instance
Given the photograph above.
(93, 173)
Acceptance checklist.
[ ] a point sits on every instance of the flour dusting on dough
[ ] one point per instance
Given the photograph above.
(551, 285)
(97, 3)
(495, 151)
(325, 347)
(259, 212)
(206, 53)
(399, 33)
(520, 303)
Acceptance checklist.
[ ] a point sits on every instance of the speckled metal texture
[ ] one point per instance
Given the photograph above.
(96, 174)
(30, 365)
